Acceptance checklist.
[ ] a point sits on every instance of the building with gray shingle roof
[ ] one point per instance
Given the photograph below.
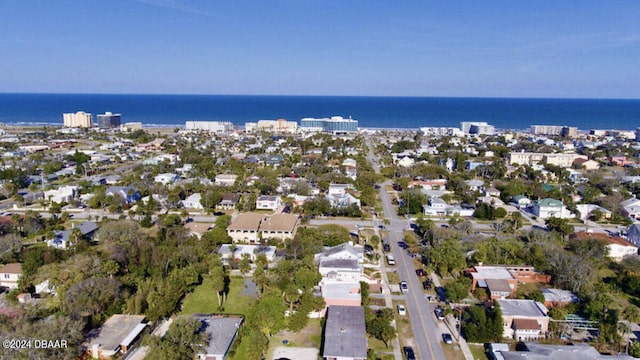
(344, 333)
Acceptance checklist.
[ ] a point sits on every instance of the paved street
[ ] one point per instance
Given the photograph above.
(423, 322)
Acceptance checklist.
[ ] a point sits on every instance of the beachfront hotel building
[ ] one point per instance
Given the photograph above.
(280, 126)
(565, 131)
(211, 126)
(80, 119)
(477, 128)
(334, 125)
(109, 120)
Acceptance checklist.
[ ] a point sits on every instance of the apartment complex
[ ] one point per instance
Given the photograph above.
(80, 119)
(564, 131)
(108, 120)
(334, 125)
(211, 126)
(528, 158)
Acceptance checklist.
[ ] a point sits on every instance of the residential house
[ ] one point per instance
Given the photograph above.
(502, 281)
(127, 193)
(166, 178)
(631, 208)
(228, 202)
(475, 185)
(586, 164)
(226, 179)
(198, 229)
(340, 270)
(491, 192)
(338, 189)
(274, 160)
(343, 251)
(115, 336)
(406, 161)
(61, 239)
(431, 184)
(221, 331)
(343, 201)
(524, 320)
(345, 337)
(521, 201)
(193, 201)
(633, 234)
(268, 202)
(558, 297)
(438, 207)
(10, 274)
(342, 294)
(235, 252)
(548, 208)
(62, 194)
(617, 247)
(576, 351)
(618, 160)
(586, 210)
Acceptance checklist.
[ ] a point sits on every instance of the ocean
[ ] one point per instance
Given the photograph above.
(371, 112)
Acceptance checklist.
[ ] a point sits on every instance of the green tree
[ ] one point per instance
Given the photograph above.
(245, 264)
(458, 289)
(183, 340)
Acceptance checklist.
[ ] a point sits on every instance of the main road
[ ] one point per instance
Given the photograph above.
(420, 311)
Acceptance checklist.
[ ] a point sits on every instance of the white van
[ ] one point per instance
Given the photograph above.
(391, 260)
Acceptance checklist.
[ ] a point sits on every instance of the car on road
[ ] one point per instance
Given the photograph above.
(404, 287)
(446, 337)
(439, 313)
(408, 353)
(426, 284)
(402, 311)
(402, 244)
(421, 272)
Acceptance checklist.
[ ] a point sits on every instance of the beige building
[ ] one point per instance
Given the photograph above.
(280, 126)
(80, 119)
(527, 158)
(253, 227)
(10, 274)
(523, 320)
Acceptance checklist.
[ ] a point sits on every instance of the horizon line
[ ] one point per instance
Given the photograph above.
(316, 95)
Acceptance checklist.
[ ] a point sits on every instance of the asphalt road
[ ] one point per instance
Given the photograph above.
(423, 322)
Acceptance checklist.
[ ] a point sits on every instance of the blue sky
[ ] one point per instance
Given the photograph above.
(572, 49)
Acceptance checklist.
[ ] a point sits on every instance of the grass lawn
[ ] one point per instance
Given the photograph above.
(403, 324)
(393, 277)
(310, 336)
(478, 352)
(203, 300)
(452, 352)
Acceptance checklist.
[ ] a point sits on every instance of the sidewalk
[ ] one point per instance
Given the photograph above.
(450, 322)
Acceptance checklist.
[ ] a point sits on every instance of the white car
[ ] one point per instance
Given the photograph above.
(404, 288)
(402, 311)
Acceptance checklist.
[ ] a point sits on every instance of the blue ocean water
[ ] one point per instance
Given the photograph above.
(373, 112)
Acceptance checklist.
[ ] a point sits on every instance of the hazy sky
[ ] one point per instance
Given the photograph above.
(348, 47)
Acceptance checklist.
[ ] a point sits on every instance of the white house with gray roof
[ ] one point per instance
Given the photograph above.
(523, 320)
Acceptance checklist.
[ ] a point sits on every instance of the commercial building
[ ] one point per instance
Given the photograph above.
(523, 320)
(564, 131)
(476, 127)
(211, 126)
(280, 126)
(108, 120)
(80, 119)
(334, 125)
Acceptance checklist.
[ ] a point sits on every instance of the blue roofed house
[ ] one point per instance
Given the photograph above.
(128, 193)
(63, 239)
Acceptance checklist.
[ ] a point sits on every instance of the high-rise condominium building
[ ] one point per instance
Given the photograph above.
(109, 120)
(333, 125)
(79, 119)
(211, 126)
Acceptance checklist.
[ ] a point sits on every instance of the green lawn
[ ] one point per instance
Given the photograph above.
(204, 301)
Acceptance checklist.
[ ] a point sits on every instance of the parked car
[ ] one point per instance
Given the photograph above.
(391, 260)
(426, 285)
(408, 353)
(446, 337)
(402, 311)
(386, 247)
(421, 272)
(439, 313)
(404, 287)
